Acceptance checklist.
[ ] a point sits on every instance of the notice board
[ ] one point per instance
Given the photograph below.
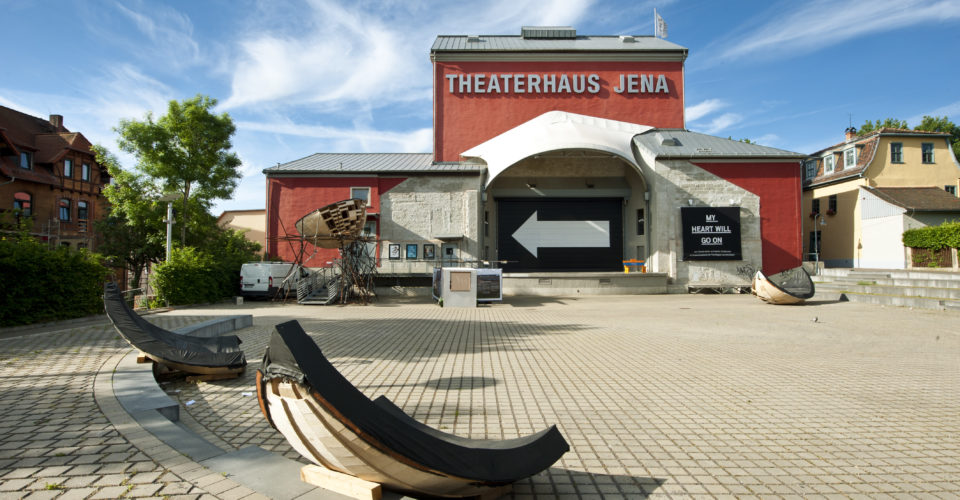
(711, 233)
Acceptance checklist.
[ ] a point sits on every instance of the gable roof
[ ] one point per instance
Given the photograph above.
(47, 141)
(679, 143)
(560, 41)
(370, 163)
(867, 145)
(919, 199)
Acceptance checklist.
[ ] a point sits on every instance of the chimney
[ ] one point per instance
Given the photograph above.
(851, 132)
(57, 121)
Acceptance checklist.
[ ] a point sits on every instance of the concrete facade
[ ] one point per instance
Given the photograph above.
(438, 210)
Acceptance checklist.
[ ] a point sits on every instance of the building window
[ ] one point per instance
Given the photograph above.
(82, 210)
(64, 209)
(828, 164)
(641, 222)
(816, 207)
(26, 160)
(22, 202)
(950, 189)
(361, 193)
(896, 152)
(68, 168)
(85, 172)
(832, 204)
(811, 169)
(850, 158)
(486, 223)
(927, 149)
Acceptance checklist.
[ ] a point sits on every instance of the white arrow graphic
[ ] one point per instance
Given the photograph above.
(534, 234)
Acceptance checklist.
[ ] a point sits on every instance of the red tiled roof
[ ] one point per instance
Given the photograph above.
(46, 141)
(921, 199)
(867, 145)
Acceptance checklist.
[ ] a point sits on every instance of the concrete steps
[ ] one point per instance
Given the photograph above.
(920, 289)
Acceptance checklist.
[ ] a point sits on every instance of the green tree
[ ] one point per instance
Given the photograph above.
(188, 151)
(942, 124)
(133, 231)
(869, 126)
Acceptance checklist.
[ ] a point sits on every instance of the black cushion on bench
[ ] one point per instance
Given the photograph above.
(208, 352)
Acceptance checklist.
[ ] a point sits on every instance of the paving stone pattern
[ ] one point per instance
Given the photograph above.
(54, 440)
(661, 396)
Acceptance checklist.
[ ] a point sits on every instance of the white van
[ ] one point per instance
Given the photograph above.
(265, 279)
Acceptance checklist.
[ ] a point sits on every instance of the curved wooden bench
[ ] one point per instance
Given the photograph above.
(196, 355)
(332, 424)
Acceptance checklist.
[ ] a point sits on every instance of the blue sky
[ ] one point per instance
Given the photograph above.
(303, 77)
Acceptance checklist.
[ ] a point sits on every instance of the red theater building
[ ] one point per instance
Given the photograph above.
(559, 157)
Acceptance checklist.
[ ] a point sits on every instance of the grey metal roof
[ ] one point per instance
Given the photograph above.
(676, 143)
(516, 43)
(371, 163)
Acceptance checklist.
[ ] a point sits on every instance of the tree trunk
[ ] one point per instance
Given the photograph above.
(186, 215)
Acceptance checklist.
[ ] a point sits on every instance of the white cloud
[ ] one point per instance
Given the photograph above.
(18, 106)
(951, 111)
(364, 140)
(722, 122)
(368, 55)
(697, 111)
(767, 139)
(809, 26)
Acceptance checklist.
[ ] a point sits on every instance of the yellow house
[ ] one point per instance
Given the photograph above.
(252, 223)
(842, 230)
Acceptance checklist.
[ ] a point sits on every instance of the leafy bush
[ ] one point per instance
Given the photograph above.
(195, 276)
(946, 235)
(188, 278)
(40, 284)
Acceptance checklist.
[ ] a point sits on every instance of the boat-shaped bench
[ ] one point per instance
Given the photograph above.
(792, 286)
(334, 425)
(213, 357)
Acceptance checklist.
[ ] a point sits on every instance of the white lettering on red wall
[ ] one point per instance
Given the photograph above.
(551, 83)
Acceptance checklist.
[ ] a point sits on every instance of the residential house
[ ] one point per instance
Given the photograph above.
(252, 223)
(844, 223)
(50, 174)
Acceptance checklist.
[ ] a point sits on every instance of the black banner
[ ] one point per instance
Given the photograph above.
(711, 233)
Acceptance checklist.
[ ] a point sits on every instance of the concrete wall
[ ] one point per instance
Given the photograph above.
(674, 184)
(423, 209)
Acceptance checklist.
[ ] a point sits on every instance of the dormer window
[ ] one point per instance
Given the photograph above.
(811, 169)
(26, 160)
(850, 158)
(828, 164)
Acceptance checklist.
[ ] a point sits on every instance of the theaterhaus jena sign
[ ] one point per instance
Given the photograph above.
(711, 233)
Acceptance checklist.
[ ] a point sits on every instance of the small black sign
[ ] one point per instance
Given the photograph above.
(711, 233)
(489, 285)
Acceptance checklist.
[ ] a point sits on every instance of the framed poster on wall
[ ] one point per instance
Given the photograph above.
(412, 251)
(429, 251)
(394, 251)
(711, 233)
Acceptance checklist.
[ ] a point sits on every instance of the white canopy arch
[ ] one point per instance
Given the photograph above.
(552, 131)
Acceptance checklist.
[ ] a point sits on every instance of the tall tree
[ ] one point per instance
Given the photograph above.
(942, 124)
(869, 126)
(188, 150)
(133, 231)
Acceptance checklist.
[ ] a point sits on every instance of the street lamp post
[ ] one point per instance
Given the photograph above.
(816, 240)
(169, 198)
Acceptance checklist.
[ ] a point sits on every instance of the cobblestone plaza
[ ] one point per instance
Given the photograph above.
(663, 396)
